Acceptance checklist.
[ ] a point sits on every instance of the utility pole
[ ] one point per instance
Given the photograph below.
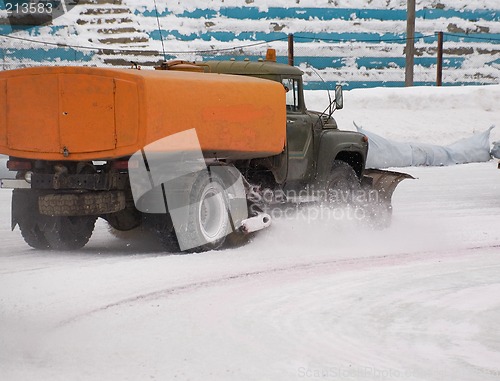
(439, 76)
(290, 50)
(410, 42)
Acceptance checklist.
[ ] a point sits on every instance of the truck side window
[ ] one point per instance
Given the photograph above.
(292, 94)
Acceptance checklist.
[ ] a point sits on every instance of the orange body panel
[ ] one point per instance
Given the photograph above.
(95, 113)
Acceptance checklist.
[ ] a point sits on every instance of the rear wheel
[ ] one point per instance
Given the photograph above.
(208, 219)
(69, 233)
(45, 232)
(161, 225)
(33, 236)
(25, 214)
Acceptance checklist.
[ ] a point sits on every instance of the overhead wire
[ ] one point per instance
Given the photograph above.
(238, 47)
(103, 48)
(467, 36)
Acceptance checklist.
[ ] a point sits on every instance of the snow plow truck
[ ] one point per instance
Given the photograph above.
(185, 151)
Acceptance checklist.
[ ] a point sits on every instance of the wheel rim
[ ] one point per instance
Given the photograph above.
(212, 213)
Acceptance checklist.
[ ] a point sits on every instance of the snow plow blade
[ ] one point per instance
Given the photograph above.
(384, 182)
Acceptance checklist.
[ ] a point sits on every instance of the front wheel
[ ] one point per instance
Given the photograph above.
(343, 185)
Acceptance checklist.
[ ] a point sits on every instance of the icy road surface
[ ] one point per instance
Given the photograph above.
(305, 300)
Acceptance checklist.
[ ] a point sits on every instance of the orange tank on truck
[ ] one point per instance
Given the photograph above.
(76, 113)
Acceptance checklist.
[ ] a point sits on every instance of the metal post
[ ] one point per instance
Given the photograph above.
(290, 49)
(410, 42)
(439, 77)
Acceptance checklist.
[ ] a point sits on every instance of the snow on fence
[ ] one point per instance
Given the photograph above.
(348, 43)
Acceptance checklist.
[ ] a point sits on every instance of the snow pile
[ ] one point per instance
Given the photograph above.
(495, 151)
(424, 116)
(431, 115)
(384, 153)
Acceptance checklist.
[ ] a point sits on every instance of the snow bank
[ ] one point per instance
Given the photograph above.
(430, 115)
(384, 153)
(495, 151)
(432, 118)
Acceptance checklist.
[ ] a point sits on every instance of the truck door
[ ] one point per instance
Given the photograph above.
(299, 132)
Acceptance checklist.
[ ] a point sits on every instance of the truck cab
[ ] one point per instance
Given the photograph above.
(313, 140)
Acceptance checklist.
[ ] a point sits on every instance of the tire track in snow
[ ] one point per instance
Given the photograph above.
(329, 266)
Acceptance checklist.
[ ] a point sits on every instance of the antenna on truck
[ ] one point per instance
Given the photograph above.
(159, 31)
(330, 111)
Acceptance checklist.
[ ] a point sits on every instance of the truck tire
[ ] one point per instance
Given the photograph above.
(208, 220)
(33, 236)
(161, 225)
(25, 214)
(342, 185)
(48, 233)
(69, 233)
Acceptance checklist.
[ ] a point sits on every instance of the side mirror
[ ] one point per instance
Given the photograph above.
(339, 97)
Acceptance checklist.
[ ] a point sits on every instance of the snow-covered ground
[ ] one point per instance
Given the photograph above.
(306, 299)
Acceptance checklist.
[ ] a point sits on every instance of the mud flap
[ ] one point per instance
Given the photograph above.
(383, 182)
(24, 202)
